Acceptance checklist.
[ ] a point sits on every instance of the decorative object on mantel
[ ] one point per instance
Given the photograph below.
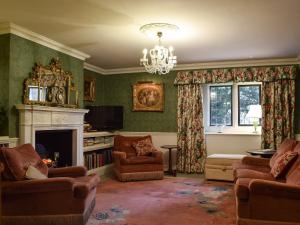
(89, 89)
(50, 86)
(162, 60)
(148, 96)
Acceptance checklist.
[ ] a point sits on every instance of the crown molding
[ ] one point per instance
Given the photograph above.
(94, 68)
(194, 66)
(12, 28)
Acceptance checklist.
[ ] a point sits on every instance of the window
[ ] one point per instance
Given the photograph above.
(221, 105)
(249, 97)
(228, 107)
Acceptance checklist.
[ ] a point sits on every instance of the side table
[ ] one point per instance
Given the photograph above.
(170, 147)
(264, 153)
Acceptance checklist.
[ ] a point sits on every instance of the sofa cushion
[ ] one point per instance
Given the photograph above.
(17, 160)
(283, 163)
(143, 147)
(124, 143)
(286, 145)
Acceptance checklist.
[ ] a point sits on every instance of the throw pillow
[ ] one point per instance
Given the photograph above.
(143, 147)
(33, 173)
(17, 160)
(283, 163)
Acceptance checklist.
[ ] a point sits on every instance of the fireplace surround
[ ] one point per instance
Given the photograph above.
(33, 118)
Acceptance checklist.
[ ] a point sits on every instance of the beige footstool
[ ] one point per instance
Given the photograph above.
(219, 166)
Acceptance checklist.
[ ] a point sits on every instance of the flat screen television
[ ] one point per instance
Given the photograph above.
(106, 118)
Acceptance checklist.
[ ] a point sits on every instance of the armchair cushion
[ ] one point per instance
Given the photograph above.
(283, 163)
(143, 147)
(17, 160)
(140, 160)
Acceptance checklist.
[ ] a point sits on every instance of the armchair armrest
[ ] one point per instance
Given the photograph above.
(72, 171)
(158, 155)
(37, 186)
(274, 188)
(255, 161)
(119, 155)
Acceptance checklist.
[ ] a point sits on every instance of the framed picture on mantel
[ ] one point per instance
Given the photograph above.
(148, 96)
(89, 89)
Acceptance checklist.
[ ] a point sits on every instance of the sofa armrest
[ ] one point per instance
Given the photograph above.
(158, 156)
(255, 161)
(274, 188)
(71, 171)
(37, 186)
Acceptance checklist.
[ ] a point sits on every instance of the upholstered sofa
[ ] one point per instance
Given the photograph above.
(262, 199)
(128, 166)
(66, 197)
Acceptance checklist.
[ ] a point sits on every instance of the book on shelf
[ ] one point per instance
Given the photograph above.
(96, 159)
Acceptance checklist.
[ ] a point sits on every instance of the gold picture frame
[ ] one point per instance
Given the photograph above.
(89, 89)
(148, 96)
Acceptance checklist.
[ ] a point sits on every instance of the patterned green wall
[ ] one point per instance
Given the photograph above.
(4, 83)
(118, 91)
(99, 87)
(23, 55)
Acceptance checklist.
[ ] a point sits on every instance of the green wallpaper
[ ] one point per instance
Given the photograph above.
(118, 91)
(99, 87)
(18, 55)
(23, 55)
(4, 83)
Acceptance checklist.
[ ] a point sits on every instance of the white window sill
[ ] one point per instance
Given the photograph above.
(232, 133)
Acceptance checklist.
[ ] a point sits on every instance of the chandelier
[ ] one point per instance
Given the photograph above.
(160, 59)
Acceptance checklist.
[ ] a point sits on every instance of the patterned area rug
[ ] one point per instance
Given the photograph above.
(172, 201)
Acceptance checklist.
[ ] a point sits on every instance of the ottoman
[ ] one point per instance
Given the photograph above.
(219, 166)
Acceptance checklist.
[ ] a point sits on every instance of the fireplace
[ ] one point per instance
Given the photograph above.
(56, 123)
(55, 145)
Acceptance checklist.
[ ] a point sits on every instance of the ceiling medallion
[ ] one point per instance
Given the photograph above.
(160, 60)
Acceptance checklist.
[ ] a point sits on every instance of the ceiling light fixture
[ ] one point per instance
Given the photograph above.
(160, 60)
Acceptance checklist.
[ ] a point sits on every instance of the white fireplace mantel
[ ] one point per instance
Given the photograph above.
(34, 118)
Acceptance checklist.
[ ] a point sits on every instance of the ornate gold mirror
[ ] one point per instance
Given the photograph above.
(50, 85)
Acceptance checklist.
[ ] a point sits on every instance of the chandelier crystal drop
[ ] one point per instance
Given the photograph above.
(160, 60)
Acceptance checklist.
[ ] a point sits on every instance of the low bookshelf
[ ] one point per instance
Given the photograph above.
(97, 150)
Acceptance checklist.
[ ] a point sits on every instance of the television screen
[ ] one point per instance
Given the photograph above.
(105, 117)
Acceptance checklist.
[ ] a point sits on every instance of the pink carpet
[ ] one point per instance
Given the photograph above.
(172, 201)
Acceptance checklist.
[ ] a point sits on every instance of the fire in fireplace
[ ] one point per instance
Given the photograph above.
(55, 145)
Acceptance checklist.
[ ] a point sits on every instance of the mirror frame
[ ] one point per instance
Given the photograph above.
(58, 83)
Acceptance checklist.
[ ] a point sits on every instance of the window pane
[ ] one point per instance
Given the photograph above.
(249, 104)
(220, 105)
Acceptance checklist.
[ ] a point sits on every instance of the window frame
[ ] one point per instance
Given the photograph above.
(259, 95)
(209, 93)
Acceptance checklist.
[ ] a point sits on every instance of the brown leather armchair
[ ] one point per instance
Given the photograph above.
(67, 196)
(128, 166)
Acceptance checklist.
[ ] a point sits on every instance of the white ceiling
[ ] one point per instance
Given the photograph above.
(210, 30)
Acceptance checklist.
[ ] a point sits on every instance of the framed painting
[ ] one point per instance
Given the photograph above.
(148, 96)
(89, 89)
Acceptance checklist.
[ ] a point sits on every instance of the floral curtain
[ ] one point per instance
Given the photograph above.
(243, 74)
(278, 101)
(278, 106)
(191, 139)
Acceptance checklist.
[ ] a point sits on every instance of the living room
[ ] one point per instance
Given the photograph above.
(227, 88)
